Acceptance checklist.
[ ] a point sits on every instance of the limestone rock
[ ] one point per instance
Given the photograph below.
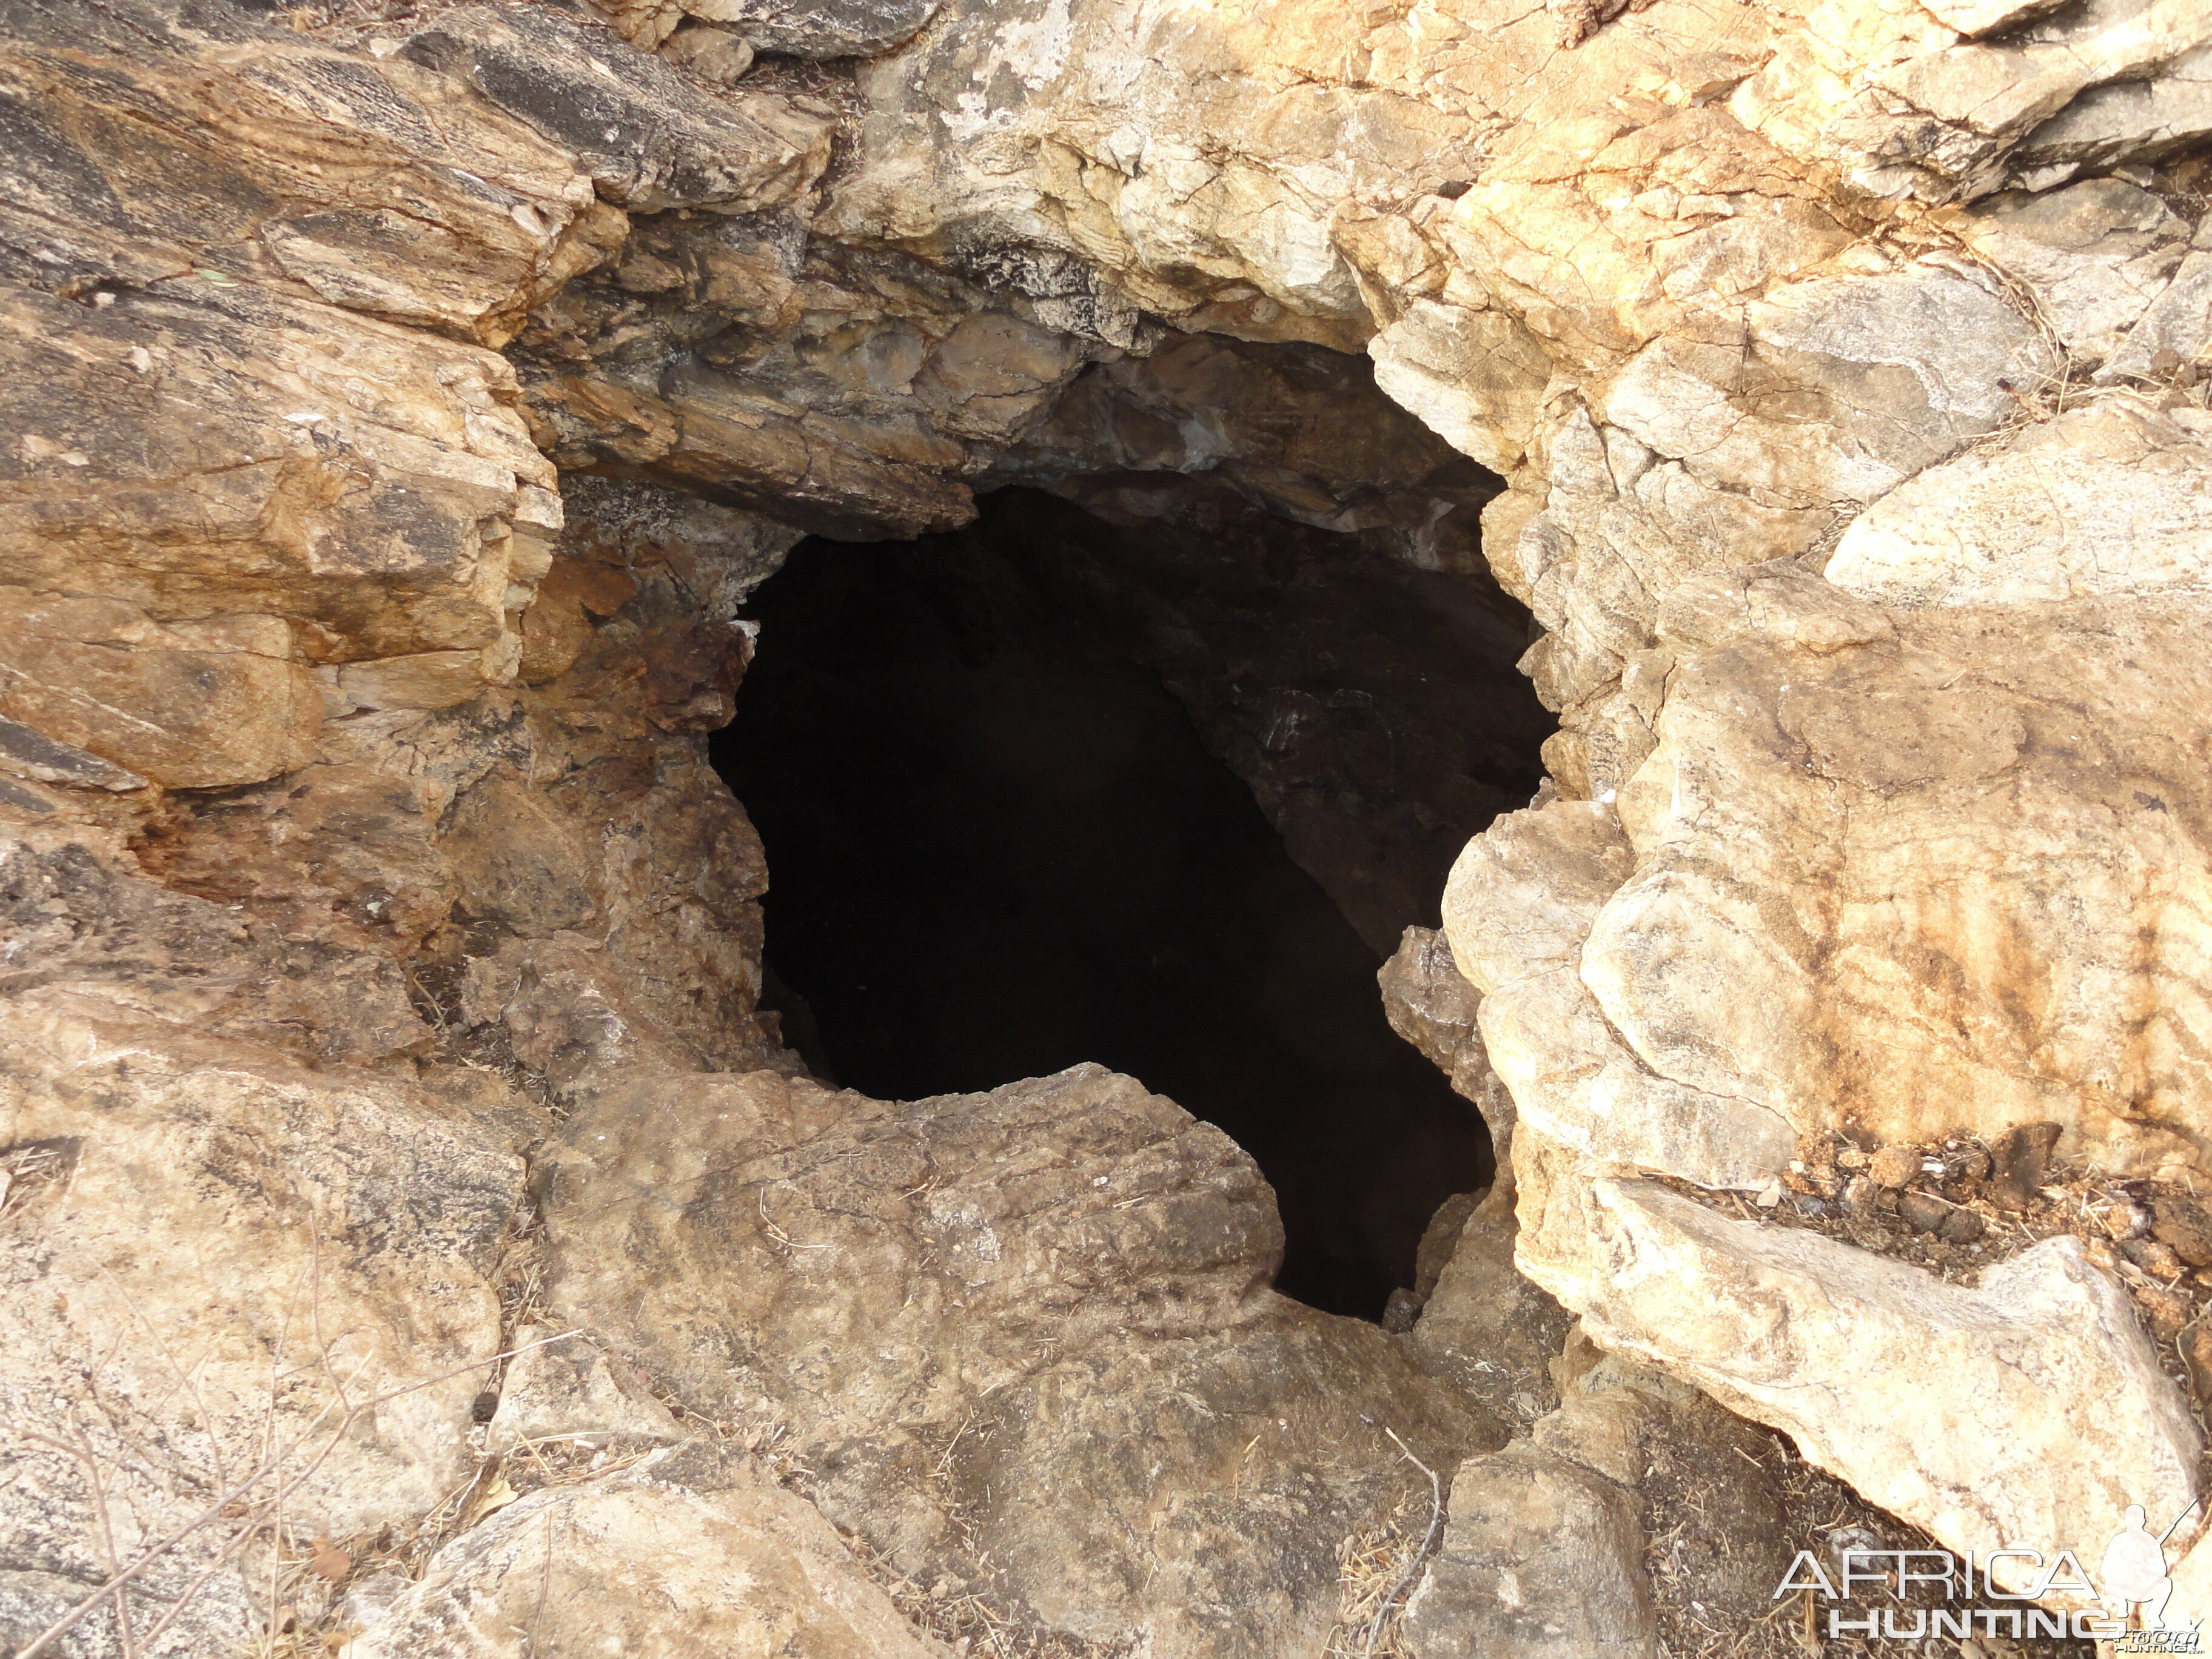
(1893, 779)
(854, 392)
(1431, 1005)
(362, 817)
(712, 53)
(2120, 121)
(1486, 1326)
(2029, 1406)
(1476, 378)
(2174, 337)
(1063, 1284)
(2096, 254)
(1909, 107)
(562, 1387)
(2107, 499)
(1874, 416)
(181, 537)
(356, 181)
(1521, 898)
(688, 1552)
(1539, 1555)
(1708, 1485)
(233, 1280)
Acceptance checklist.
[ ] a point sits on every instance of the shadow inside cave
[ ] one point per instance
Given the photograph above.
(998, 848)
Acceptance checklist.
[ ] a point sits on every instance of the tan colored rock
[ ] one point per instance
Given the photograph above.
(294, 516)
(1539, 1555)
(1519, 900)
(358, 180)
(712, 53)
(1047, 1275)
(2121, 121)
(1916, 771)
(2029, 1406)
(237, 1286)
(2096, 254)
(688, 1552)
(189, 705)
(1907, 107)
(1305, 195)
(2106, 500)
(1476, 378)
(2174, 337)
(562, 1387)
(1487, 1328)
(1883, 374)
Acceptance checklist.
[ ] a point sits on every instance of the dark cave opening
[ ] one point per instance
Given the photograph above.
(999, 846)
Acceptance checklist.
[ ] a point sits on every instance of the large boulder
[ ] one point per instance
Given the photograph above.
(957, 1312)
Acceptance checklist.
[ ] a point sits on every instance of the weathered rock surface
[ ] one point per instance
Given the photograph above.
(1485, 1326)
(242, 1289)
(688, 1552)
(1521, 897)
(2108, 501)
(1433, 1006)
(1843, 366)
(561, 1388)
(1062, 1285)
(1635, 1517)
(2029, 1406)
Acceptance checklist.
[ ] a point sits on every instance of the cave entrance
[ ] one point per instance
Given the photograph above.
(999, 846)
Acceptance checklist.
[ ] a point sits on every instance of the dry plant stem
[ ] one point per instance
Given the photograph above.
(1420, 1555)
(45, 1640)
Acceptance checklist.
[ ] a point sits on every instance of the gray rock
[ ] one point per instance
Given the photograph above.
(650, 138)
(1488, 1329)
(819, 28)
(1541, 1557)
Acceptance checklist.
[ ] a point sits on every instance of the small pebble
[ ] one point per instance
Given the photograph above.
(1894, 1166)
(2164, 1311)
(1859, 1194)
(1962, 1227)
(1922, 1212)
(2154, 1257)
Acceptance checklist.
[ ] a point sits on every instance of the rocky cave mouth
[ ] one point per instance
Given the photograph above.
(1000, 845)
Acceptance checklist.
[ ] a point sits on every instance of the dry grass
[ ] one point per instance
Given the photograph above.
(27, 1170)
(1371, 1566)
